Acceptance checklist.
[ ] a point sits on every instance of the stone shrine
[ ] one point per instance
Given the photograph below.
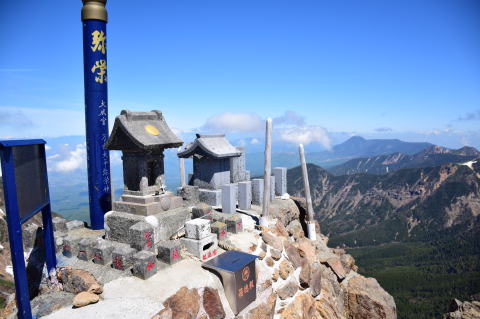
(142, 137)
(215, 162)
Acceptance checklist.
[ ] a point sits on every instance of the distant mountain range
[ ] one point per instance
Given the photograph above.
(354, 147)
(409, 204)
(382, 164)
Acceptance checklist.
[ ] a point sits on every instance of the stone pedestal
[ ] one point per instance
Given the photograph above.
(146, 205)
(245, 195)
(85, 248)
(234, 224)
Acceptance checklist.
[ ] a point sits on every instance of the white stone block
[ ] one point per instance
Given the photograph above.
(245, 195)
(198, 228)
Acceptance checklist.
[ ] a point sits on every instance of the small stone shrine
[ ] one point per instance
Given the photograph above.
(142, 137)
(215, 162)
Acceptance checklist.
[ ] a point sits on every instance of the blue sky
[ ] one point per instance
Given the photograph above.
(380, 69)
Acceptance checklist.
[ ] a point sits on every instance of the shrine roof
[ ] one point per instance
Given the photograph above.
(214, 146)
(145, 131)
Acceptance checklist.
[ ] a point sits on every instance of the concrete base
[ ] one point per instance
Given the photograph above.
(102, 252)
(70, 246)
(212, 197)
(204, 249)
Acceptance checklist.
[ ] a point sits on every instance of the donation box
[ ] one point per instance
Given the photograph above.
(237, 271)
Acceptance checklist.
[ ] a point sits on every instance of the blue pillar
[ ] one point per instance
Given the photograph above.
(94, 20)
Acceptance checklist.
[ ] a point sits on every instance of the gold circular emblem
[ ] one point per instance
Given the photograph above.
(245, 273)
(151, 130)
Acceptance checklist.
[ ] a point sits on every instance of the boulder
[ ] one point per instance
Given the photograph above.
(337, 267)
(307, 250)
(212, 304)
(293, 255)
(85, 298)
(295, 229)
(78, 280)
(272, 240)
(284, 211)
(367, 299)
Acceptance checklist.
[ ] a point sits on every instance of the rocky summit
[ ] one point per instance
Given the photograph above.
(295, 278)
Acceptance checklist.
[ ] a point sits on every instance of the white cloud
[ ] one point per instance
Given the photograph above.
(306, 135)
(254, 141)
(289, 118)
(234, 122)
(74, 160)
(47, 147)
(241, 143)
(53, 156)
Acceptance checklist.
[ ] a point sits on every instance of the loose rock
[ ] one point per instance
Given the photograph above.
(285, 269)
(213, 304)
(78, 280)
(288, 290)
(185, 304)
(85, 298)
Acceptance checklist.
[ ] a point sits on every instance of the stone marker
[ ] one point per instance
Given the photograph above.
(70, 246)
(141, 236)
(272, 188)
(169, 252)
(204, 248)
(257, 191)
(102, 252)
(197, 228)
(144, 264)
(212, 197)
(245, 195)
(280, 174)
(229, 204)
(234, 224)
(59, 224)
(122, 256)
(220, 229)
(267, 173)
(85, 248)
